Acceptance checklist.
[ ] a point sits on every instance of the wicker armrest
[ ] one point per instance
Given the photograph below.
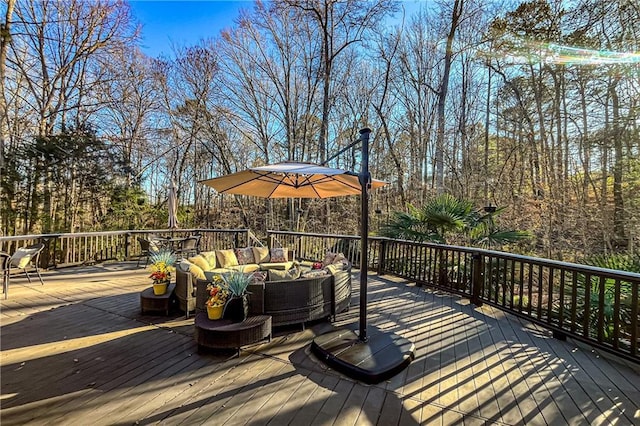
(256, 298)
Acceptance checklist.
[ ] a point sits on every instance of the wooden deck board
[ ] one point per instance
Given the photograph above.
(78, 350)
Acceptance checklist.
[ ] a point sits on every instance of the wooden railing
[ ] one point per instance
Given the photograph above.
(595, 305)
(63, 250)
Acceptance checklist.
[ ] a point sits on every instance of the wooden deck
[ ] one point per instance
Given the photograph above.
(77, 351)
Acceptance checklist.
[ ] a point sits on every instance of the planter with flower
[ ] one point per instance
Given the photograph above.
(162, 264)
(230, 290)
(237, 307)
(218, 295)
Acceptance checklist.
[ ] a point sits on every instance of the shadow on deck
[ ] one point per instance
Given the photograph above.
(77, 350)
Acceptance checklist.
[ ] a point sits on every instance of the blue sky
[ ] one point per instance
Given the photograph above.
(182, 23)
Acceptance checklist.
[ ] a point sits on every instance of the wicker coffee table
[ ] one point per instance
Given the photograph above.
(221, 334)
(156, 303)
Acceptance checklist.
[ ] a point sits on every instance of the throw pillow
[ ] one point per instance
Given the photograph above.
(245, 255)
(226, 258)
(259, 277)
(210, 257)
(195, 271)
(315, 273)
(333, 268)
(340, 260)
(201, 262)
(328, 258)
(278, 254)
(291, 274)
(261, 254)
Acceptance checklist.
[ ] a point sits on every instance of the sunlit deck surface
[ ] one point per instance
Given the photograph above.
(78, 351)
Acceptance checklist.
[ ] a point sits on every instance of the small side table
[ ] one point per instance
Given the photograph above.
(220, 334)
(149, 302)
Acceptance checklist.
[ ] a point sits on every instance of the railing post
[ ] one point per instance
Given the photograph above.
(381, 256)
(127, 245)
(476, 278)
(45, 256)
(298, 253)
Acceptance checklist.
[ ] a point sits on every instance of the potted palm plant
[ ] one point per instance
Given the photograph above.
(237, 306)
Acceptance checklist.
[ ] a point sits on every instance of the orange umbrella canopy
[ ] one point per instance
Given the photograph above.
(290, 180)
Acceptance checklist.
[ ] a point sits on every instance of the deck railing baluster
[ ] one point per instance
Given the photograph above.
(635, 321)
(616, 315)
(561, 300)
(601, 294)
(574, 301)
(550, 293)
(587, 306)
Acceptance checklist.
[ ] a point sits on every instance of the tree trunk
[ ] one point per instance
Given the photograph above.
(619, 232)
(442, 96)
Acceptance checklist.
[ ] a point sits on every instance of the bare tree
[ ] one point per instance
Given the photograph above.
(340, 25)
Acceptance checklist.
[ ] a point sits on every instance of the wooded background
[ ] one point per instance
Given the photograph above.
(480, 99)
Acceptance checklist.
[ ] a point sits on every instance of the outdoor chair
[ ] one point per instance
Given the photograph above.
(21, 259)
(190, 246)
(147, 247)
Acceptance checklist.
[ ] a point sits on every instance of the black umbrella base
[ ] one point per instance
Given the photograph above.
(382, 356)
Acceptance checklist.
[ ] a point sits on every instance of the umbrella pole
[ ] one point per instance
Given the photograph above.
(369, 359)
(365, 178)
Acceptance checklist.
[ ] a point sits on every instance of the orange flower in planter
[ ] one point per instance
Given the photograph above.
(217, 295)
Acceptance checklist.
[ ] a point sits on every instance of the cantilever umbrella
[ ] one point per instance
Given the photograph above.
(290, 180)
(371, 359)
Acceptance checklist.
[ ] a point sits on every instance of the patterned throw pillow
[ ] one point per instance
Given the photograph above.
(261, 254)
(340, 261)
(278, 254)
(259, 277)
(328, 258)
(245, 255)
(226, 258)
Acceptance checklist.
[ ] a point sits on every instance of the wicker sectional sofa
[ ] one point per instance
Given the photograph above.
(294, 301)
(221, 261)
(286, 301)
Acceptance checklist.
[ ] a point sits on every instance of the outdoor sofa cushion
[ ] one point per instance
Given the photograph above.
(226, 258)
(245, 255)
(288, 275)
(281, 266)
(278, 254)
(261, 255)
(200, 262)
